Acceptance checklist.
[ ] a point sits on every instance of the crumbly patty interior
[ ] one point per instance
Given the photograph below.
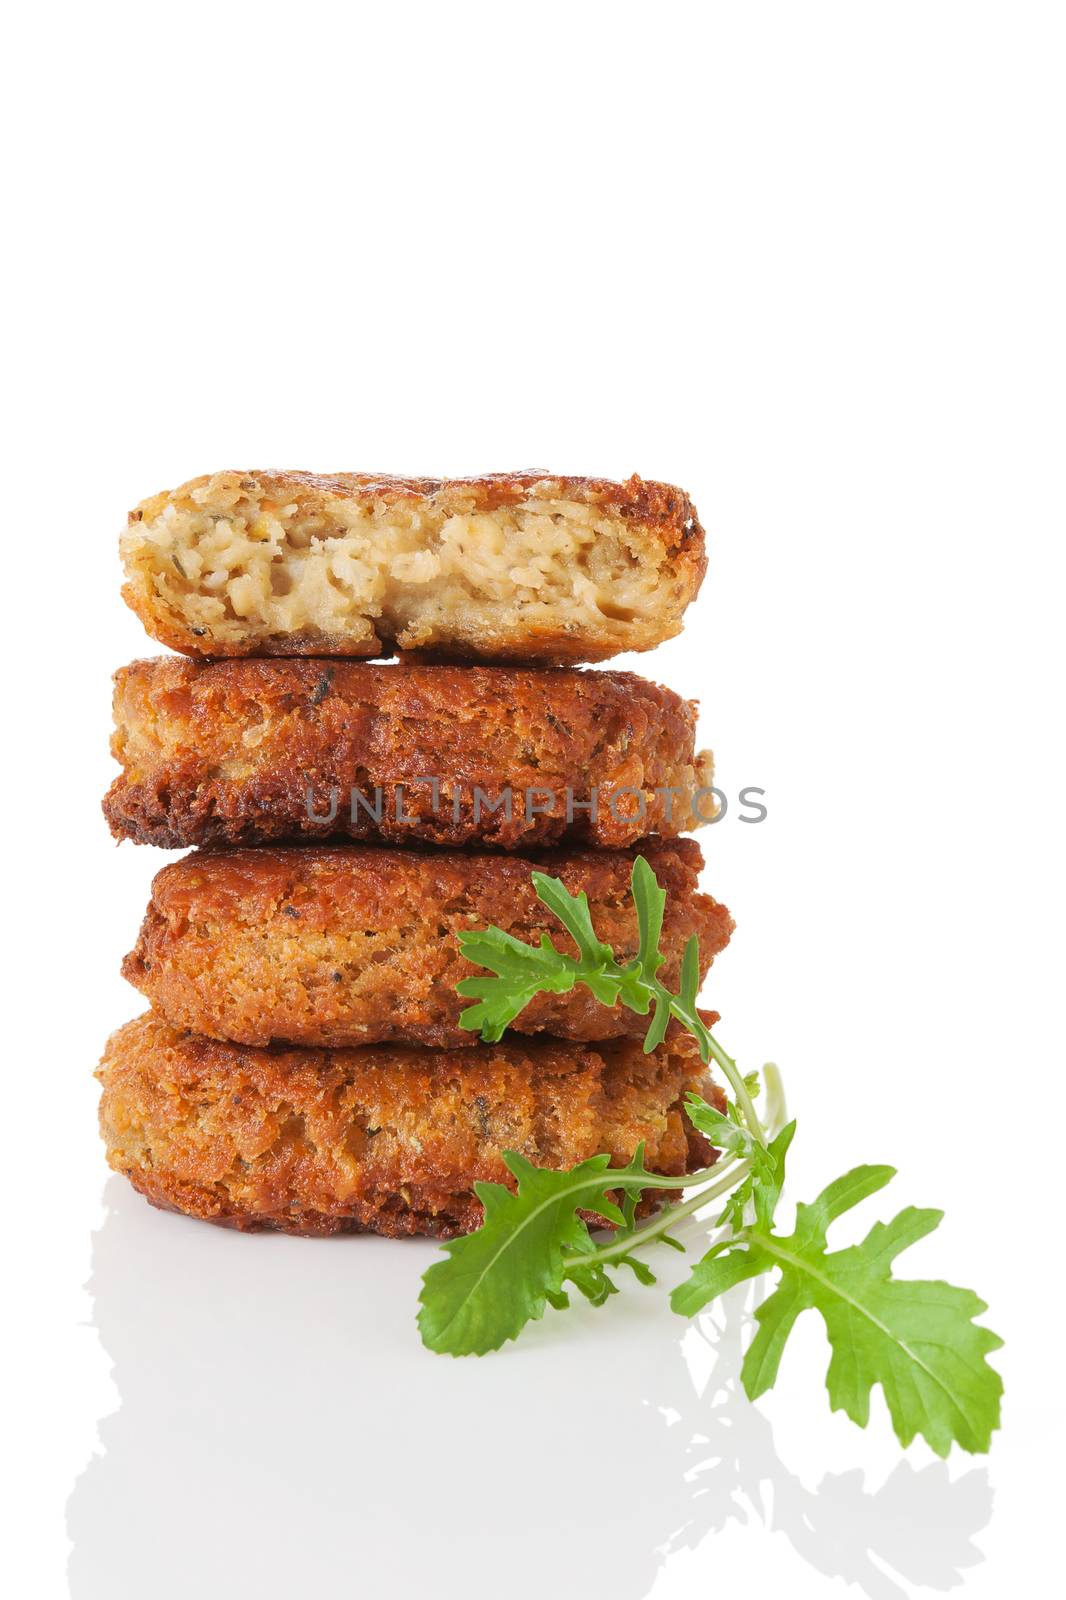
(239, 570)
(391, 1138)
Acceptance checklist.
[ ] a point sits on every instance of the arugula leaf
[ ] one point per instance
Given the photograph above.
(523, 971)
(758, 1194)
(650, 902)
(917, 1339)
(772, 1177)
(492, 1282)
(573, 912)
(722, 1130)
(728, 1133)
(690, 972)
(762, 1189)
(496, 1280)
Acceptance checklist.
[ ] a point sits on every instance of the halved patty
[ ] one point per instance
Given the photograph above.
(244, 752)
(522, 566)
(354, 945)
(389, 1139)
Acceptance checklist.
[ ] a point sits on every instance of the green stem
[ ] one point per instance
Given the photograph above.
(620, 1179)
(775, 1108)
(709, 1047)
(730, 1174)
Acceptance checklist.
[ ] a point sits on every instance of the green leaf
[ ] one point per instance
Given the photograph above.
(631, 1200)
(502, 953)
(522, 972)
(650, 902)
(727, 1132)
(761, 1190)
(690, 972)
(770, 1178)
(723, 1131)
(593, 1280)
(915, 1338)
(712, 1276)
(492, 1282)
(573, 912)
(659, 1023)
(734, 1211)
(640, 1269)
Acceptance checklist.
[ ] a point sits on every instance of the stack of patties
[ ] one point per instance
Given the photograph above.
(302, 1066)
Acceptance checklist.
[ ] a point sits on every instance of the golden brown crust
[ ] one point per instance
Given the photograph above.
(389, 1139)
(233, 752)
(351, 945)
(530, 601)
(644, 502)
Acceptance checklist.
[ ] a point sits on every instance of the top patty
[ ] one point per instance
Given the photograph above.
(248, 751)
(507, 567)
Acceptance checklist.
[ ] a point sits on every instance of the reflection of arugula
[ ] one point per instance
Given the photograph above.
(917, 1339)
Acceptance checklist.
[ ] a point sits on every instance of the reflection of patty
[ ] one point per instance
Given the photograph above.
(509, 567)
(389, 1139)
(351, 945)
(245, 751)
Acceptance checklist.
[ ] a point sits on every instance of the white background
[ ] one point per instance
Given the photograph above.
(807, 261)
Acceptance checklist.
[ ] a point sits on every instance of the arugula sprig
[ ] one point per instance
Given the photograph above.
(523, 971)
(531, 1243)
(918, 1339)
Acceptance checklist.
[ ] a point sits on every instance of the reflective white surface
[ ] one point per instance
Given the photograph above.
(278, 1420)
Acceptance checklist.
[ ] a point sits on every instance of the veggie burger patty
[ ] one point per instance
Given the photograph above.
(513, 566)
(355, 945)
(389, 1139)
(244, 752)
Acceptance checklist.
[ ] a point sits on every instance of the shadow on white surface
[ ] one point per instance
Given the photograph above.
(919, 1524)
(280, 1432)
